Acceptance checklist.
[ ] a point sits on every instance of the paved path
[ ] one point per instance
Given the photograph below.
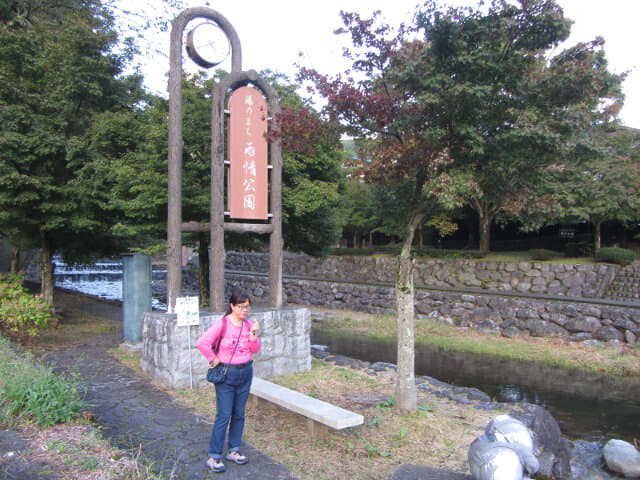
(135, 414)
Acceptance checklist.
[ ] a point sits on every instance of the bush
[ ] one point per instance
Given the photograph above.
(22, 315)
(621, 256)
(360, 252)
(579, 249)
(31, 392)
(542, 254)
(444, 253)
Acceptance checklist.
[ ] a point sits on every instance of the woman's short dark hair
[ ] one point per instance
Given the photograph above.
(238, 296)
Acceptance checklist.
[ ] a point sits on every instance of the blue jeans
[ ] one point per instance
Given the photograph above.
(231, 400)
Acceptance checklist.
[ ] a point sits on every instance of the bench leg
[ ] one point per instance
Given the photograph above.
(317, 430)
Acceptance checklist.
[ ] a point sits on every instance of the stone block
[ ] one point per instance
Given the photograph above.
(583, 324)
(608, 333)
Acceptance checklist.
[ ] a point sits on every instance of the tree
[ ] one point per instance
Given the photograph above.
(508, 110)
(396, 151)
(360, 217)
(57, 74)
(312, 173)
(600, 182)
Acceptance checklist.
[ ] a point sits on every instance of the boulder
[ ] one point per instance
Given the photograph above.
(551, 449)
(492, 458)
(583, 324)
(622, 457)
(608, 333)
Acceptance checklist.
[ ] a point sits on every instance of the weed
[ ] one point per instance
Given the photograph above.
(34, 393)
(386, 403)
(427, 408)
(22, 315)
(374, 422)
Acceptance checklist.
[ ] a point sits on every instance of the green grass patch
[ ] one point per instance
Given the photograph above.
(33, 393)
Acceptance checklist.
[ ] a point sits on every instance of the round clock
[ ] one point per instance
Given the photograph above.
(208, 45)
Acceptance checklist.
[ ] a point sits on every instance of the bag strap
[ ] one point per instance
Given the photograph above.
(237, 341)
(216, 344)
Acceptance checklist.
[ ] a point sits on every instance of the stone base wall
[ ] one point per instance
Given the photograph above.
(167, 351)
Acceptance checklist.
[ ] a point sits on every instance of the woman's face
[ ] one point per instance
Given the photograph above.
(241, 309)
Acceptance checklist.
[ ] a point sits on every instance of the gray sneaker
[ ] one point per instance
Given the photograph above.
(236, 457)
(216, 465)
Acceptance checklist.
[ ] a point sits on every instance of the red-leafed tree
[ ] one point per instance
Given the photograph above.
(395, 150)
(464, 104)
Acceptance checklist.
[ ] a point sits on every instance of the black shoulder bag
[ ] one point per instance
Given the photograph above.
(218, 374)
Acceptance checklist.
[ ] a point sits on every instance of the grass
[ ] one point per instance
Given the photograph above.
(551, 351)
(44, 410)
(387, 440)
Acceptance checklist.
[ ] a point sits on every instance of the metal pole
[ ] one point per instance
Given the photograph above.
(190, 360)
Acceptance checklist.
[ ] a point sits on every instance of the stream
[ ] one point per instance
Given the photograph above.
(587, 406)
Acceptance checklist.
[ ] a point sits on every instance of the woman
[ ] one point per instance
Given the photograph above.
(238, 342)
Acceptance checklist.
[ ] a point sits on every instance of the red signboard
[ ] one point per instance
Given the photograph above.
(248, 152)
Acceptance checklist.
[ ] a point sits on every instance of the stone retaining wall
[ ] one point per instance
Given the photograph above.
(556, 279)
(284, 337)
(507, 312)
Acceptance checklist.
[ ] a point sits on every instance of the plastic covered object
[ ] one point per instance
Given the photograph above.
(519, 437)
(492, 458)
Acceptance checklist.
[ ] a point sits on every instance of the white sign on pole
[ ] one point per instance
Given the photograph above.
(188, 311)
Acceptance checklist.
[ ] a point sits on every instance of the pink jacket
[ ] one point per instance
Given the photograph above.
(246, 346)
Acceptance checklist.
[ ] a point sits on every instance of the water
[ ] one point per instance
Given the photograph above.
(587, 406)
(103, 279)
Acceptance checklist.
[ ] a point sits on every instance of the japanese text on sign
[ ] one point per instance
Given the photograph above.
(248, 152)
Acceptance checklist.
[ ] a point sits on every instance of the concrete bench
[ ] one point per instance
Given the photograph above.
(320, 414)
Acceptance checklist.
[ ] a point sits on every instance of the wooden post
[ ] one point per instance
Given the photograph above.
(174, 207)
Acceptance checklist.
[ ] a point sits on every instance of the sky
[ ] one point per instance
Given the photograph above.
(274, 33)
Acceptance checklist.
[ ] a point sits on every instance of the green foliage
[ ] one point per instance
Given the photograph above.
(66, 112)
(360, 252)
(32, 393)
(445, 253)
(579, 249)
(598, 181)
(621, 256)
(22, 315)
(542, 254)
(386, 403)
(418, 252)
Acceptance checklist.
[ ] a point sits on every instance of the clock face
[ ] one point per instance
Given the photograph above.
(208, 45)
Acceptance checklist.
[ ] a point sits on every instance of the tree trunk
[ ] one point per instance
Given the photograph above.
(203, 270)
(406, 386)
(485, 218)
(46, 279)
(15, 256)
(597, 234)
